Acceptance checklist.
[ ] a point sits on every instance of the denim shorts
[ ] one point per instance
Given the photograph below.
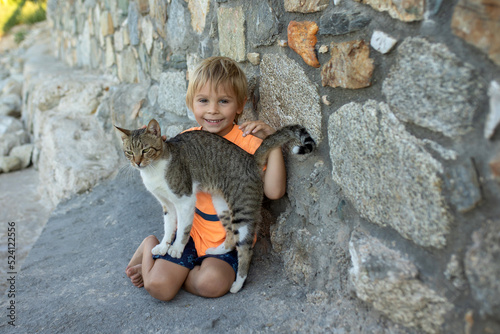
(190, 258)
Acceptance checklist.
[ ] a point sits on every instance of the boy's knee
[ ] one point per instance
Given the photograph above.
(212, 284)
(159, 289)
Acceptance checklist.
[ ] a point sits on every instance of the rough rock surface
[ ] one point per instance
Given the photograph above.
(368, 143)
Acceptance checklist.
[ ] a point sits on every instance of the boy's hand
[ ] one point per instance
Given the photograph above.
(257, 128)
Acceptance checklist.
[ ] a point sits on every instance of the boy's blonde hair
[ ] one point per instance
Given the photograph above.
(218, 71)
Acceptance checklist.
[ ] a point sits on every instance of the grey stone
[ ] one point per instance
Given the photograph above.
(463, 186)
(311, 226)
(10, 164)
(386, 173)
(10, 105)
(288, 96)
(12, 85)
(440, 94)
(264, 28)
(133, 23)
(172, 92)
(455, 272)
(386, 279)
(127, 66)
(231, 26)
(177, 24)
(157, 60)
(335, 21)
(483, 268)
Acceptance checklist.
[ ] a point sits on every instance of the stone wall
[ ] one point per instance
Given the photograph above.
(399, 205)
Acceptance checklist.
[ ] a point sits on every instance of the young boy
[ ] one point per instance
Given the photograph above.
(216, 95)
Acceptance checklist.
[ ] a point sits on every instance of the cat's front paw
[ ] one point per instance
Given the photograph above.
(160, 249)
(175, 251)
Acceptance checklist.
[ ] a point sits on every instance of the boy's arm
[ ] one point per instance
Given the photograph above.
(275, 174)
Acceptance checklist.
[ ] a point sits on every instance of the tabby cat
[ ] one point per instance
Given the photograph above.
(198, 161)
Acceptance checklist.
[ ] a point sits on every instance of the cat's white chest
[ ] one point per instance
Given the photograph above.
(154, 178)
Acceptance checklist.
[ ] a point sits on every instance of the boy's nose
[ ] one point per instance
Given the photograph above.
(212, 108)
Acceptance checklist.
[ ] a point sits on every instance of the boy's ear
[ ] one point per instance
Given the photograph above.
(123, 132)
(154, 128)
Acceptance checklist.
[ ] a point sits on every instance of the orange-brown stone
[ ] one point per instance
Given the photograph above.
(478, 23)
(350, 66)
(302, 39)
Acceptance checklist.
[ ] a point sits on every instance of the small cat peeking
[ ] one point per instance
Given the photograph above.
(210, 181)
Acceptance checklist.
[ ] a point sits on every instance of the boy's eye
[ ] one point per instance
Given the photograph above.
(224, 101)
(202, 100)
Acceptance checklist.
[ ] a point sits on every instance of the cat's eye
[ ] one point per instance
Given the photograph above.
(129, 153)
(146, 150)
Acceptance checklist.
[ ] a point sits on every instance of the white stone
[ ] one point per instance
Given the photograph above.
(254, 58)
(24, 153)
(12, 139)
(110, 53)
(9, 125)
(9, 164)
(382, 42)
(147, 33)
(493, 118)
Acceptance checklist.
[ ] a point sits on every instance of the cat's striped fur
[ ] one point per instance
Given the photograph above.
(176, 169)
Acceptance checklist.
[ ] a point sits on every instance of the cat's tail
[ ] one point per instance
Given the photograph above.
(282, 136)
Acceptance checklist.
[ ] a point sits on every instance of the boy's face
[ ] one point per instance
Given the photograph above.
(215, 110)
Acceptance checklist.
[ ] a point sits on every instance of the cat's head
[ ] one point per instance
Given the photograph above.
(142, 146)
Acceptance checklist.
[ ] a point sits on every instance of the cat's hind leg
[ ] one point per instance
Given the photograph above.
(224, 215)
(244, 247)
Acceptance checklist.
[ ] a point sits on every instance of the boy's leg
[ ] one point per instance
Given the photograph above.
(162, 279)
(213, 278)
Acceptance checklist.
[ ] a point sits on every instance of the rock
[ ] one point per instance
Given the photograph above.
(477, 22)
(9, 124)
(24, 153)
(172, 92)
(127, 66)
(495, 167)
(12, 139)
(10, 164)
(147, 33)
(387, 280)
(350, 66)
(199, 10)
(266, 27)
(483, 268)
(178, 27)
(302, 39)
(427, 94)
(305, 6)
(12, 85)
(254, 58)
(386, 173)
(406, 11)
(463, 186)
(339, 22)
(493, 118)
(455, 273)
(10, 105)
(133, 23)
(231, 26)
(382, 42)
(288, 96)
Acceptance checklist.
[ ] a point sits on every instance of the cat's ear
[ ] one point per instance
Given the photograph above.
(123, 132)
(154, 128)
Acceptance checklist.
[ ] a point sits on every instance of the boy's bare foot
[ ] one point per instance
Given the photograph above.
(135, 275)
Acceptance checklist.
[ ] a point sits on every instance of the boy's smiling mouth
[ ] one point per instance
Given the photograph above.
(213, 121)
